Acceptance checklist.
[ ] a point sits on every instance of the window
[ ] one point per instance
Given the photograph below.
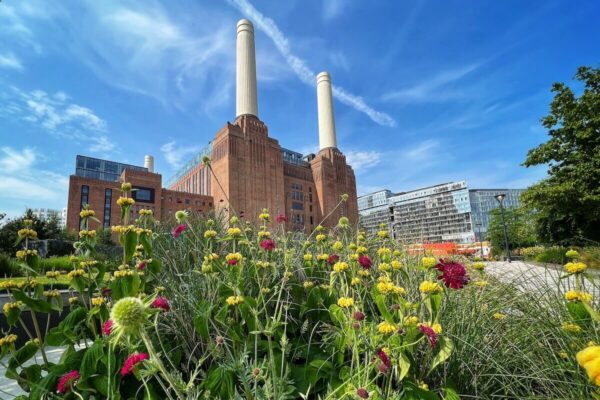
(85, 195)
(144, 195)
(297, 206)
(107, 207)
(187, 201)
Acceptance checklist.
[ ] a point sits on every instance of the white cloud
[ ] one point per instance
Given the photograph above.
(9, 60)
(434, 89)
(176, 155)
(302, 71)
(333, 8)
(57, 115)
(361, 160)
(422, 151)
(12, 160)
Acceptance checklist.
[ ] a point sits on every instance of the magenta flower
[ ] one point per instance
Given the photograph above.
(142, 266)
(430, 333)
(106, 292)
(161, 303)
(67, 381)
(178, 230)
(268, 244)
(362, 393)
(358, 316)
(365, 262)
(385, 360)
(333, 259)
(233, 261)
(454, 275)
(107, 327)
(131, 362)
(280, 218)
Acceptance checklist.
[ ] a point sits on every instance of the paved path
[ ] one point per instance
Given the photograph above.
(535, 277)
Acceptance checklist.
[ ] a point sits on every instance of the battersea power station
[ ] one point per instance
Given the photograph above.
(248, 170)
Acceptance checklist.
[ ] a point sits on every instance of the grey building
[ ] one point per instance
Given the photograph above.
(95, 168)
(449, 212)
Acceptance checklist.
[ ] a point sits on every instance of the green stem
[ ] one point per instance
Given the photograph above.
(39, 336)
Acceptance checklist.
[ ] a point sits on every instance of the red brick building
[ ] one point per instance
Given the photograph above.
(248, 171)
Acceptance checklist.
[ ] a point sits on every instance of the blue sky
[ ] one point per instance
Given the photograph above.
(426, 91)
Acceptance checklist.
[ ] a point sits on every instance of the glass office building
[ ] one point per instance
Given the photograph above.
(483, 201)
(95, 168)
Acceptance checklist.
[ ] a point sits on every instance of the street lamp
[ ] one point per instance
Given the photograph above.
(500, 198)
(478, 225)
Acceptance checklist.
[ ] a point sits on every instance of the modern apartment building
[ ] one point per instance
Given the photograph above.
(46, 214)
(449, 212)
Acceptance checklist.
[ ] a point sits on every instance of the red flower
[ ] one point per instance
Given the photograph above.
(385, 360)
(359, 316)
(383, 368)
(107, 327)
(233, 261)
(454, 274)
(430, 333)
(162, 303)
(142, 266)
(365, 262)
(333, 259)
(362, 393)
(106, 292)
(280, 218)
(178, 230)
(131, 362)
(267, 244)
(67, 381)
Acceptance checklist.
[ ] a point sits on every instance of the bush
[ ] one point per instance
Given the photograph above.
(59, 248)
(552, 255)
(8, 266)
(54, 264)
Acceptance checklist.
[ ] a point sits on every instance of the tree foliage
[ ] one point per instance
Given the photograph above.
(46, 230)
(568, 200)
(519, 226)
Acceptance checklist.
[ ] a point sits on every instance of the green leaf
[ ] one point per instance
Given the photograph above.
(202, 318)
(13, 316)
(337, 314)
(413, 392)
(29, 376)
(23, 354)
(90, 359)
(436, 303)
(404, 366)
(35, 304)
(131, 239)
(100, 383)
(145, 241)
(383, 308)
(578, 311)
(444, 350)
(450, 394)
(44, 386)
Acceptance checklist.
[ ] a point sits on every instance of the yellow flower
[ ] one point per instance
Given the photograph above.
(398, 290)
(361, 250)
(355, 281)
(589, 359)
(353, 257)
(264, 234)
(345, 302)
(572, 254)
(23, 254)
(479, 266)
(264, 216)
(121, 228)
(234, 300)
(575, 267)
(145, 212)
(8, 340)
(574, 295)
(125, 201)
(427, 287)
(481, 284)
(262, 264)
(208, 234)
(320, 237)
(265, 290)
(383, 234)
(75, 273)
(397, 253)
(9, 306)
(73, 300)
(437, 328)
(51, 293)
(360, 238)
(386, 328)
(84, 234)
(383, 251)
(308, 284)
(27, 233)
(126, 186)
(563, 354)
(86, 213)
(411, 320)
(396, 264)
(384, 267)
(322, 257)
(233, 258)
(337, 246)
(428, 262)
(340, 266)
(98, 301)
(571, 328)
(363, 272)
(235, 231)
(308, 257)
(499, 316)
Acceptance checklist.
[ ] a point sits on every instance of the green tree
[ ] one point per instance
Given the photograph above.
(519, 226)
(8, 231)
(568, 200)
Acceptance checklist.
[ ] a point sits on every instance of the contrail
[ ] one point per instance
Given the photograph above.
(306, 75)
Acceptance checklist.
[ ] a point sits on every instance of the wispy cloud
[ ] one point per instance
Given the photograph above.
(362, 160)
(435, 89)
(333, 8)
(13, 160)
(57, 115)
(176, 155)
(299, 66)
(10, 61)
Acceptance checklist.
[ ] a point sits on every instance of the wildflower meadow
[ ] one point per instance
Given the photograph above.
(226, 308)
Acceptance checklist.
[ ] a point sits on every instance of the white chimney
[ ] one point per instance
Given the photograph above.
(149, 163)
(246, 101)
(325, 106)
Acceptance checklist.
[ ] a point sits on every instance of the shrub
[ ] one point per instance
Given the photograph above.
(8, 266)
(54, 264)
(552, 255)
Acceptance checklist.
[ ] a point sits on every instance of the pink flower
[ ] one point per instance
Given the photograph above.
(132, 361)
(178, 230)
(267, 244)
(106, 292)
(333, 259)
(430, 333)
(365, 262)
(233, 261)
(162, 303)
(67, 381)
(358, 316)
(362, 393)
(142, 266)
(280, 218)
(454, 275)
(107, 327)
(385, 360)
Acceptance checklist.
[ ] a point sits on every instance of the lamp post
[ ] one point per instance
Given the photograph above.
(478, 225)
(500, 198)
